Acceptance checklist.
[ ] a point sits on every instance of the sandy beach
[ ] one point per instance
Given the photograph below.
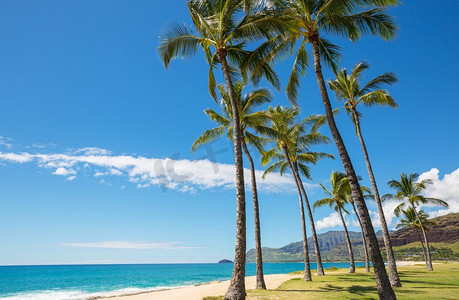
(217, 288)
(197, 292)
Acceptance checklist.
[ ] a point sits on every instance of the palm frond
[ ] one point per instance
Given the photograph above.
(177, 40)
(208, 136)
(299, 69)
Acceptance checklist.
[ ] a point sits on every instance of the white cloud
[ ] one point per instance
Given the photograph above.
(138, 245)
(178, 174)
(446, 189)
(64, 172)
(92, 151)
(388, 208)
(331, 221)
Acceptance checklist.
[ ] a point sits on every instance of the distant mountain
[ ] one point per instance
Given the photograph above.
(444, 238)
(327, 241)
(446, 230)
(294, 251)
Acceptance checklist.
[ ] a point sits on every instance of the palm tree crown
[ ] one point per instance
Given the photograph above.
(311, 19)
(410, 219)
(410, 191)
(248, 116)
(222, 29)
(337, 196)
(347, 87)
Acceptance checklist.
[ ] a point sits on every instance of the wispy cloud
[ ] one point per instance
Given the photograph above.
(178, 174)
(135, 245)
(5, 142)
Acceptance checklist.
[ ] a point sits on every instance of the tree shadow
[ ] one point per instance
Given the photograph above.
(361, 290)
(429, 283)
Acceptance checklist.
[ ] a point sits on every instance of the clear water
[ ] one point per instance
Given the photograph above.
(87, 281)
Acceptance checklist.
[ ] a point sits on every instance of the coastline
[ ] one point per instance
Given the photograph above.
(213, 288)
(198, 291)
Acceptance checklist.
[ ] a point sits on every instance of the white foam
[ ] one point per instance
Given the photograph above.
(79, 295)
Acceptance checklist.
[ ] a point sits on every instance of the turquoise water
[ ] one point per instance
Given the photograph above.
(86, 281)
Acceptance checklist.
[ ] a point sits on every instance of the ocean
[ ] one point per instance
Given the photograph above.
(87, 281)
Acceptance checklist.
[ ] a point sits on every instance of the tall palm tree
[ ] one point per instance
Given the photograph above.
(300, 157)
(350, 199)
(250, 119)
(282, 124)
(348, 88)
(410, 191)
(337, 199)
(222, 28)
(282, 128)
(410, 220)
(350, 19)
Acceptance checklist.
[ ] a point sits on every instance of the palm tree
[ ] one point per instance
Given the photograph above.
(300, 156)
(347, 88)
(350, 199)
(249, 118)
(410, 220)
(410, 192)
(221, 29)
(337, 199)
(282, 126)
(350, 19)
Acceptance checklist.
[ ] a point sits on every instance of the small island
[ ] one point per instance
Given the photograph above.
(225, 261)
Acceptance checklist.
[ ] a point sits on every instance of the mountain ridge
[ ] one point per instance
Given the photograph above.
(333, 244)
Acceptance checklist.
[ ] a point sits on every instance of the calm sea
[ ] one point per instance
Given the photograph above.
(86, 281)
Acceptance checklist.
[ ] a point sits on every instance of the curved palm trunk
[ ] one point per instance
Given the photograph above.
(236, 290)
(348, 240)
(426, 241)
(393, 274)
(307, 267)
(365, 246)
(258, 255)
(423, 246)
(383, 285)
(320, 269)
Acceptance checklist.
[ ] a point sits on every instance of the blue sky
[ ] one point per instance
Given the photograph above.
(90, 116)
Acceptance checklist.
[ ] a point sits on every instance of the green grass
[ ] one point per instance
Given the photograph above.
(417, 283)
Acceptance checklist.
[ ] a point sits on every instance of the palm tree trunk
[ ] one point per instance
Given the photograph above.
(385, 291)
(307, 267)
(348, 240)
(320, 269)
(365, 246)
(236, 290)
(423, 247)
(426, 241)
(258, 255)
(393, 274)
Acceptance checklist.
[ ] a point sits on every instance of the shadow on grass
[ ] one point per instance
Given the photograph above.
(361, 290)
(436, 283)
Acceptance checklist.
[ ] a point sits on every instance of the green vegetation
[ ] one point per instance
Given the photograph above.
(439, 251)
(417, 284)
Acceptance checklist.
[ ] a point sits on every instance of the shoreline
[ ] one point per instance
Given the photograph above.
(198, 291)
(213, 288)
